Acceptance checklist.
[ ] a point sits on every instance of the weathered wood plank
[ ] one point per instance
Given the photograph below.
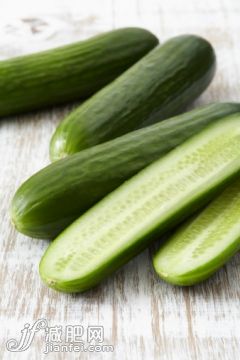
(143, 317)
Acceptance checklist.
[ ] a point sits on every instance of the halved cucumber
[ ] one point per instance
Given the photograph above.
(54, 197)
(203, 244)
(153, 201)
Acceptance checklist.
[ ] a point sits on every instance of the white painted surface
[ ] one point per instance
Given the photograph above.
(143, 317)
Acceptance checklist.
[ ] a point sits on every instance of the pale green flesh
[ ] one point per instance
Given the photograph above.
(113, 231)
(203, 244)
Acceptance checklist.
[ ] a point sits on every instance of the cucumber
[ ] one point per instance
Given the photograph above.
(158, 86)
(70, 72)
(58, 194)
(203, 244)
(150, 203)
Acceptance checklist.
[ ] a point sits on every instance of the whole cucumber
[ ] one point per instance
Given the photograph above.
(70, 72)
(55, 196)
(158, 86)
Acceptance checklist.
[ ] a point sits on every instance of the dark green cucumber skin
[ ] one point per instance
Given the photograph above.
(71, 72)
(93, 275)
(160, 85)
(55, 196)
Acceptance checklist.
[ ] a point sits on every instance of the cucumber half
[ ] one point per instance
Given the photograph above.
(57, 195)
(202, 245)
(153, 201)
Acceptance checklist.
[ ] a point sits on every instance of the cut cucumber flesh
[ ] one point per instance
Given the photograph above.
(202, 245)
(57, 195)
(153, 201)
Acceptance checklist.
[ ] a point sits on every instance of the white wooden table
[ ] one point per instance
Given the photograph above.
(143, 317)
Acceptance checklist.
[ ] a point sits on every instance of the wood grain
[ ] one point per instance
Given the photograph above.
(143, 317)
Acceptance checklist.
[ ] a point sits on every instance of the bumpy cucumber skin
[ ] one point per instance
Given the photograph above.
(160, 85)
(71, 72)
(55, 196)
(62, 271)
(204, 271)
